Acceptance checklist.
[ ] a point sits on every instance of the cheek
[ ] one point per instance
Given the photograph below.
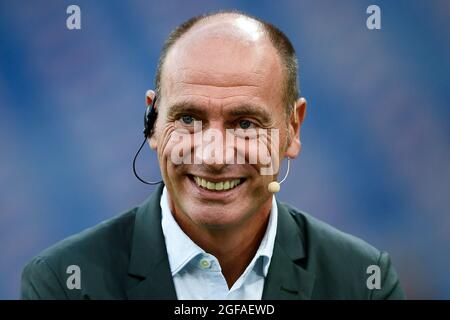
(164, 146)
(174, 145)
(263, 153)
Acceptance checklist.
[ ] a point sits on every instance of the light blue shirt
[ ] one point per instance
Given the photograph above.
(197, 275)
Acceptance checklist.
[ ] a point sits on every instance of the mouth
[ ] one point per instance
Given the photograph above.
(216, 184)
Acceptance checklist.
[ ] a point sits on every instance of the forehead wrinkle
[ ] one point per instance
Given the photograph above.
(209, 90)
(213, 77)
(180, 89)
(207, 97)
(226, 86)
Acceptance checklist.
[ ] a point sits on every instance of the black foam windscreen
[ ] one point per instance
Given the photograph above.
(150, 118)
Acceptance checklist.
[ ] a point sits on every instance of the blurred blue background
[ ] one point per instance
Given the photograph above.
(375, 160)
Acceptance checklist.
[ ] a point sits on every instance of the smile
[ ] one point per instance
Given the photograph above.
(217, 186)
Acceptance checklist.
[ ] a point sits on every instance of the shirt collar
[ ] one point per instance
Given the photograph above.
(182, 250)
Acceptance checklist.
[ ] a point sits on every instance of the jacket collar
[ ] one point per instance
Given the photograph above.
(149, 270)
(287, 280)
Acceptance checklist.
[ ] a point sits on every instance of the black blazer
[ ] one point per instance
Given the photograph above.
(126, 258)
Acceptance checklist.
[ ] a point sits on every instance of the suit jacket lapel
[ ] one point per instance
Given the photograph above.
(286, 279)
(149, 275)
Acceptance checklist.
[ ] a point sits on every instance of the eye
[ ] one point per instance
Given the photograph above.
(245, 124)
(187, 119)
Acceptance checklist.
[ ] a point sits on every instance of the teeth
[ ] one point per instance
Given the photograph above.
(219, 186)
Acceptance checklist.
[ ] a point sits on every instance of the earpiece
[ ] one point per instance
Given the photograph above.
(150, 118)
(149, 122)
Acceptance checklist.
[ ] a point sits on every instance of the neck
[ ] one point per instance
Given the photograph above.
(233, 246)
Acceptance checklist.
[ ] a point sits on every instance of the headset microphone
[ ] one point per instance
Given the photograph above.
(274, 186)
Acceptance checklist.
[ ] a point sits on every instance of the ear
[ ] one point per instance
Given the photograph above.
(152, 142)
(149, 96)
(295, 123)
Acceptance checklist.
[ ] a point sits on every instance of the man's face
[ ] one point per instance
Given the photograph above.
(228, 76)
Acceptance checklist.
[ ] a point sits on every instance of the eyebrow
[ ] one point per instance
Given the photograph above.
(183, 107)
(252, 111)
(246, 110)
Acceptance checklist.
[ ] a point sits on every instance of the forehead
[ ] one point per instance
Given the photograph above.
(223, 59)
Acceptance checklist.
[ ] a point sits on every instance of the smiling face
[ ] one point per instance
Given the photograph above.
(225, 73)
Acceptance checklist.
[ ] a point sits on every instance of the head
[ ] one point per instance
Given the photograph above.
(225, 71)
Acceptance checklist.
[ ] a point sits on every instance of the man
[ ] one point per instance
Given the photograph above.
(213, 230)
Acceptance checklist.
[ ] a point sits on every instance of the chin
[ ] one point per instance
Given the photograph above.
(214, 216)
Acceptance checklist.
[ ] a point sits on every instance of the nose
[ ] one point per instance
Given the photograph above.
(211, 150)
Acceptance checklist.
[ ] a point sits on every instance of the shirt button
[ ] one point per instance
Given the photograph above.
(204, 263)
